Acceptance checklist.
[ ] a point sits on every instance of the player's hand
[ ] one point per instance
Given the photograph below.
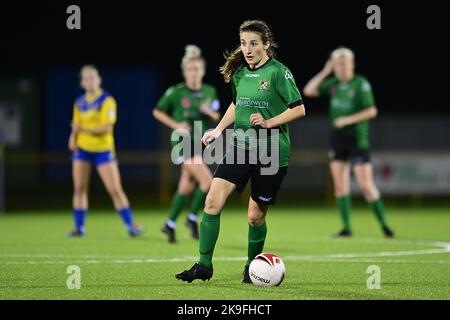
(205, 107)
(71, 145)
(341, 122)
(75, 127)
(256, 119)
(184, 128)
(210, 136)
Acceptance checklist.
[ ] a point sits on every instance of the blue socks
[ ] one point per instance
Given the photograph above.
(127, 217)
(79, 216)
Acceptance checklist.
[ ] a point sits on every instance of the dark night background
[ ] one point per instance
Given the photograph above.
(138, 46)
(407, 61)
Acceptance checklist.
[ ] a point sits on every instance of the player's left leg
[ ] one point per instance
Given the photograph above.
(264, 193)
(109, 173)
(364, 176)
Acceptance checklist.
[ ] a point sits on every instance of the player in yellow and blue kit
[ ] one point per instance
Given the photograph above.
(92, 143)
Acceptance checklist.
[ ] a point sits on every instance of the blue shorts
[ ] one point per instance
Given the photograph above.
(97, 158)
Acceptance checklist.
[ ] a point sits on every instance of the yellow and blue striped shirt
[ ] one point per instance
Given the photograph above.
(94, 113)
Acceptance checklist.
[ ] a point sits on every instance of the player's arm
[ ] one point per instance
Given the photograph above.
(290, 114)
(227, 120)
(73, 134)
(311, 89)
(289, 93)
(106, 128)
(107, 119)
(367, 111)
(163, 110)
(364, 115)
(167, 120)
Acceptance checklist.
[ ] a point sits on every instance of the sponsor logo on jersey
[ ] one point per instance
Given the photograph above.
(247, 102)
(263, 86)
(252, 75)
(337, 103)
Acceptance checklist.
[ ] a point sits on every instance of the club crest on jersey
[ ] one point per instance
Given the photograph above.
(185, 102)
(263, 86)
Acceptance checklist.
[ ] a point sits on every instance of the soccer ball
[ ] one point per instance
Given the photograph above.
(267, 269)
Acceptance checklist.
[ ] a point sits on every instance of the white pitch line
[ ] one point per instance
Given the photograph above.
(193, 259)
(444, 247)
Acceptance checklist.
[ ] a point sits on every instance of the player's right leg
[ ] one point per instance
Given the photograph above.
(364, 176)
(203, 176)
(209, 230)
(186, 185)
(340, 172)
(81, 170)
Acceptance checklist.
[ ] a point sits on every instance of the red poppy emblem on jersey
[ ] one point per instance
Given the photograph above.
(332, 90)
(185, 102)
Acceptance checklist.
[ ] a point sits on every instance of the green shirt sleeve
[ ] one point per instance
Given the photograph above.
(287, 89)
(165, 102)
(366, 95)
(324, 88)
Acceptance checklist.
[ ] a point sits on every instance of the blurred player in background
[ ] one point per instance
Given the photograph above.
(92, 144)
(257, 79)
(181, 105)
(351, 107)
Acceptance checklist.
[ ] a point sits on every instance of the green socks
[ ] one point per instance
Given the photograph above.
(344, 204)
(178, 202)
(198, 200)
(256, 238)
(377, 207)
(209, 232)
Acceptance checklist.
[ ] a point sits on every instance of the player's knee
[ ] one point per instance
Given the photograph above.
(213, 203)
(115, 192)
(80, 191)
(340, 190)
(255, 219)
(369, 190)
(205, 185)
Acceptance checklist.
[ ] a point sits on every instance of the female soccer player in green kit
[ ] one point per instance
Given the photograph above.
(351, 107)
(188, 106)
(265, 96)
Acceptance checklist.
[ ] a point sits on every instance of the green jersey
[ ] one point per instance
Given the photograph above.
(347, 99)
(183, 104)
(268, 90)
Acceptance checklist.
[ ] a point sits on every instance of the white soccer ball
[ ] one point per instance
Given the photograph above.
(267, 269)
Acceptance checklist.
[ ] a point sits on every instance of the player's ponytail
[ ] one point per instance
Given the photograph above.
(192, 52)
(235, 59)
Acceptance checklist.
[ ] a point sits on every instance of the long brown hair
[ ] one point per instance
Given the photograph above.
(235, 59)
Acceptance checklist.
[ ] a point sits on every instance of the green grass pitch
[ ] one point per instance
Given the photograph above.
(35, 254)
